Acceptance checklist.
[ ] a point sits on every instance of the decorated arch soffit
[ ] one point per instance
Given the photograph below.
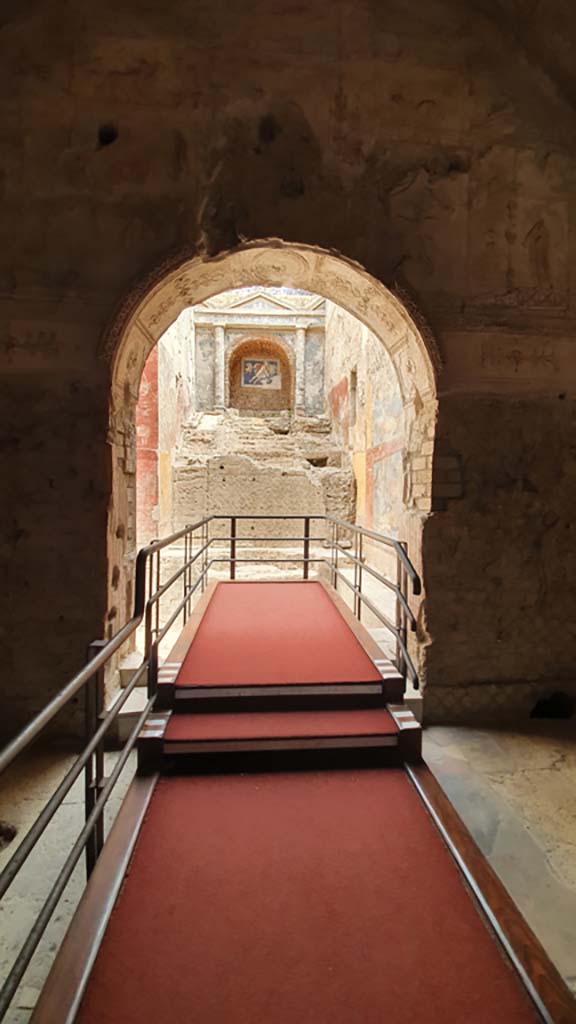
(157, 301)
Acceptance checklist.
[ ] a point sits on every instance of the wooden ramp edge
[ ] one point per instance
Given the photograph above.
(540, 977)
(62, 993)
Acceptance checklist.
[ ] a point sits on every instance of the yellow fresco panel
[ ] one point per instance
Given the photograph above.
(359, 467)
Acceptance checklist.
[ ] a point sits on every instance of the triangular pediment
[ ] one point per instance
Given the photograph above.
(265, 302)
(259, 302)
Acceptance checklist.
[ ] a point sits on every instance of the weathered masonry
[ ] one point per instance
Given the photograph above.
(415, 167)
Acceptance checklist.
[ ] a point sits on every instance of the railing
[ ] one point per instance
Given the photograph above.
(343, 545)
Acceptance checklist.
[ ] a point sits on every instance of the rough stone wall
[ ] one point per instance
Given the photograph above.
(509, 516)
(434, 145)
(236, 482)
(368, 417)
(228, 463)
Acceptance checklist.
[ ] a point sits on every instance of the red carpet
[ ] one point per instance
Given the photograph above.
(308, 898)
(273, 724)
(274, 633)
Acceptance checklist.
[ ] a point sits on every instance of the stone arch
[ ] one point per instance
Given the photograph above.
(155, 303)
(265, 348)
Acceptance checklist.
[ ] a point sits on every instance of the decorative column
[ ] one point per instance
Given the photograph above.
(300, 383)
(219, 397)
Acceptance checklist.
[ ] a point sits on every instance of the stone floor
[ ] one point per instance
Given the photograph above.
(516, 792)
(24, 791)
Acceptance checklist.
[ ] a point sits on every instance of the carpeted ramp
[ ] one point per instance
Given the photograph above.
(305, 898)
(266, 634)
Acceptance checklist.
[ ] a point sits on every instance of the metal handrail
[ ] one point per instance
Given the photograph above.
(98, 789)
(396, 632)
(49, 810)
(382, 579)
(148, 592)
(179, 572)
(39, 927)
(45, 716)
(389, 542)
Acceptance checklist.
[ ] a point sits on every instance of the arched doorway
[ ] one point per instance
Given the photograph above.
(155, 305)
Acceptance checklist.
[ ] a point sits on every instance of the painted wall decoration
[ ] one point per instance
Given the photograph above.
(261, 373)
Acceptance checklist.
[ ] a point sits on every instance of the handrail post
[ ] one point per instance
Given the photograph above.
(356, 583)
(94, 771)
(232, 547)
(401, 581)
(188, 573)
(157, 603)
(360, 556)
(333, 555)
(306, 564)
(150, 651)
(153, 668)
(336, 539)
(204, 556)
(184, 580)
(152, 631)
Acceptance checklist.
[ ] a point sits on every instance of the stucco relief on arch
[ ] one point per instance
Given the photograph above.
(154, 306)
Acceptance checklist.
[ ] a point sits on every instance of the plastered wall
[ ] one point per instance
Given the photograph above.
(434, 145)
(165, 401)
(368, 412)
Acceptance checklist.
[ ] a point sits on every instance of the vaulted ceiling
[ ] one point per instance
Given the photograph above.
(545, 31)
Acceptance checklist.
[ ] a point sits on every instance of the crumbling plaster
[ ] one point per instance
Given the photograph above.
(426, 144)
(165, 400)
(374, 426)
(260, 464)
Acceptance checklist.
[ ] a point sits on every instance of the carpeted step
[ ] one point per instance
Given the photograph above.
(246, 740)
(297, 730)
(262, 699)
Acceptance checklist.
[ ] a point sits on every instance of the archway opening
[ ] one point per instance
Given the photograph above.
(391, 472)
